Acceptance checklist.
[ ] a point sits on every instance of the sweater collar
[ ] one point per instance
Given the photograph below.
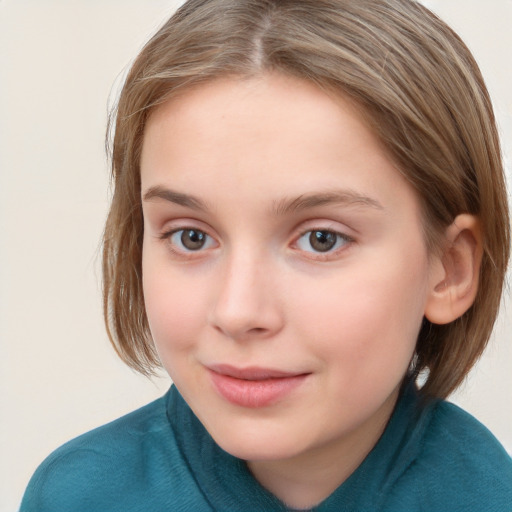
(228, 485)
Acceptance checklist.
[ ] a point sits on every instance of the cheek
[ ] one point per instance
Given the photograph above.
(367, 320)
(173, 306)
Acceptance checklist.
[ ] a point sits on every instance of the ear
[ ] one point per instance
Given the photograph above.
(454, 276)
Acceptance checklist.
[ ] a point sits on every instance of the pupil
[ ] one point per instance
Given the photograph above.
(192, 239)
(322, 241)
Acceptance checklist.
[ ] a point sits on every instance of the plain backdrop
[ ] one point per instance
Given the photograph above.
(61, 64)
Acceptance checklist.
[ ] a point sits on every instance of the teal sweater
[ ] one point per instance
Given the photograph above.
(160, 458)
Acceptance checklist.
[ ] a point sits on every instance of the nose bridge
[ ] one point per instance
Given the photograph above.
(246, 304)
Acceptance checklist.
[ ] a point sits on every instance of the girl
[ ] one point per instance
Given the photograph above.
(309, 231)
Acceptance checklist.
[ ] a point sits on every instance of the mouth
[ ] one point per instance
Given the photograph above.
(254, 387)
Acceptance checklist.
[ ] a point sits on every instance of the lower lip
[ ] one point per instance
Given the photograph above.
(255, 393)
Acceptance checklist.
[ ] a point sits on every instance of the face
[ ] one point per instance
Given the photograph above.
(285, 273)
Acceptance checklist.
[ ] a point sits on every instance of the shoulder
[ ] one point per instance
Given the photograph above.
(466, 446)
(111, 468)
(459, 465)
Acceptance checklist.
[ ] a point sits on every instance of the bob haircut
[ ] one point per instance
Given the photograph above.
(415, 83)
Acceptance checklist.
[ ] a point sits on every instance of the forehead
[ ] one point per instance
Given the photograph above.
(271, 135)
(288, 108)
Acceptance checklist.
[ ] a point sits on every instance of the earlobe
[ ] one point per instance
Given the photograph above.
(454, 286)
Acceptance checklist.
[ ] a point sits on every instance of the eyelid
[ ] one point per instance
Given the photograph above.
(172, 225)
(167, 234)
(342, 236)
(178, 225)
(326, 226)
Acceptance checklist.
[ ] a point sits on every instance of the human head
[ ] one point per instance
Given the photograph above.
(414, 82)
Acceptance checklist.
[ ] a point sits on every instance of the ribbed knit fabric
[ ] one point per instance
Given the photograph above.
(160, 458)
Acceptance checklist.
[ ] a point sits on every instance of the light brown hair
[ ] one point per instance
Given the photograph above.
(416, 84)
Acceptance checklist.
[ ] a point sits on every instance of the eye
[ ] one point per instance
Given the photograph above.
(321, 240)
(189, 239)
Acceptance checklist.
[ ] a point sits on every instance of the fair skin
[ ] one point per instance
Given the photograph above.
(285, 275)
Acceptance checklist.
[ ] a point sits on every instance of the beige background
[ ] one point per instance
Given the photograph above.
(59, 62)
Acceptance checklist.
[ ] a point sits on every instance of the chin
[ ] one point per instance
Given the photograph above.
(261, 442)
(257, 452)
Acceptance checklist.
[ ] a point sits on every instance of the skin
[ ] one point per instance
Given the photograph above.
(257, 293)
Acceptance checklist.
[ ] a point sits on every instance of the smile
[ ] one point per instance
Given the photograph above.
(254, 387)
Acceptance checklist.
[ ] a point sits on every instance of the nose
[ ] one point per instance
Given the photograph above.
(246, 304)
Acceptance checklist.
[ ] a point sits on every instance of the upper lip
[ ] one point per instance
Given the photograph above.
(252, 372)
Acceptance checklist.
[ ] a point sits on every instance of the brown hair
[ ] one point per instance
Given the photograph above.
(417, 85)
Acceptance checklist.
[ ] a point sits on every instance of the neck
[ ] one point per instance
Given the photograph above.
(305, 480)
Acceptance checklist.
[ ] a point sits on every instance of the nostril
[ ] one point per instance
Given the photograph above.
(257, 330)
(243, 334)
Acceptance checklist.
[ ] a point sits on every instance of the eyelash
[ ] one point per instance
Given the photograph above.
(168, 236)
(341, 242)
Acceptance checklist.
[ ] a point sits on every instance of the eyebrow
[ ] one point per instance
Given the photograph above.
(187, 200)
(335, 197)
(280, 208)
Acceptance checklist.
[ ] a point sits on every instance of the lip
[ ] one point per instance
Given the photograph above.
(254, 387)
